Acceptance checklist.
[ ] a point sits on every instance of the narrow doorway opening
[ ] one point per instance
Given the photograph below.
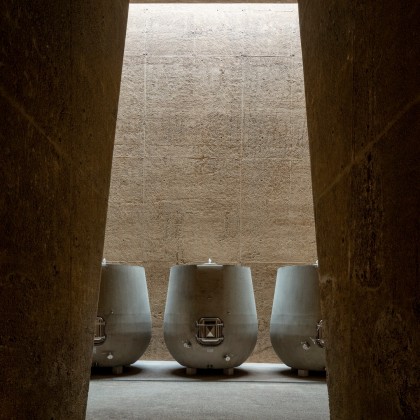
(211, 158)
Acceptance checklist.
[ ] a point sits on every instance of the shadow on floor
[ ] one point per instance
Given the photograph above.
(209, 374)
(106, 372)
(173, 371)
(314, 375)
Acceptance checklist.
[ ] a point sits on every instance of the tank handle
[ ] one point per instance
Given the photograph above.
(319, 340)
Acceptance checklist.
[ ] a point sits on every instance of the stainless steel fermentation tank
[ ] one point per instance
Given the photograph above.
(210, 319)
(296, 324)
(123, 327)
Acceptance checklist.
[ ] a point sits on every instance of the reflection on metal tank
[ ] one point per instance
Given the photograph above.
(296, 324)
(123, 327)
(210, 317)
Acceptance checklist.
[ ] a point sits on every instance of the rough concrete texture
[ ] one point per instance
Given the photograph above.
(361, 62)
(59, 84)
(211, 155)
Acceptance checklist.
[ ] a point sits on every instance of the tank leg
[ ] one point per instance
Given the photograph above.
(117, 370)
(228, 371)
(303, 372)
(191, 371)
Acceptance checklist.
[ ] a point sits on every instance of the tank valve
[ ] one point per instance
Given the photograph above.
(110, 356)
(226, 357)
(305, 345)
(319, 340)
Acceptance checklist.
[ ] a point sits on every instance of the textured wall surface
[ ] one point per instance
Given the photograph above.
(361, 62)
(59, 84)
(211, 157)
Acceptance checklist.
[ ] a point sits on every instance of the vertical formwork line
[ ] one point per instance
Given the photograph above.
(241, 146)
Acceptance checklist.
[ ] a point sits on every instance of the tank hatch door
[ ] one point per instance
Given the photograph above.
(99, 335)
(209, 331)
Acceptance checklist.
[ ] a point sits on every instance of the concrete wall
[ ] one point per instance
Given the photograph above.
(59, 84)
(361, 62)
(211, 157)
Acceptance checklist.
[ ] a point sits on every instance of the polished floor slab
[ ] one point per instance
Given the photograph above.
(163, 390)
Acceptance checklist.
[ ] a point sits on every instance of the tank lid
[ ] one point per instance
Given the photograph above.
(209, 264)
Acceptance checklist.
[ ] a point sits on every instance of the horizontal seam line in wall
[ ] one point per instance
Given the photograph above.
(228, 263)
(192, 55)
(267, 56)
(219, 382)
(361, 154)
(226, 157)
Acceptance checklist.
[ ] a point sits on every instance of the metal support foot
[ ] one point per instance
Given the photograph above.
(303, 372)
(191, 371)
(228, 371)
(117, 370)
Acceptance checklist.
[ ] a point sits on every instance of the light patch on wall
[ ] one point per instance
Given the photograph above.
(211, 155)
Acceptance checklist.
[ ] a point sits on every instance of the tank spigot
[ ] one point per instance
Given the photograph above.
(305, 345)
(110, 356)
(226, 357)
(104, 261)
(187, 344)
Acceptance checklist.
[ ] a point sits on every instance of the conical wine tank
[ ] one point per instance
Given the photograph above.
(210, 317)
(123, 326)
(296, 324)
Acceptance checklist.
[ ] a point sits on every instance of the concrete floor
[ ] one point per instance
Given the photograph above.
(162, 390)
